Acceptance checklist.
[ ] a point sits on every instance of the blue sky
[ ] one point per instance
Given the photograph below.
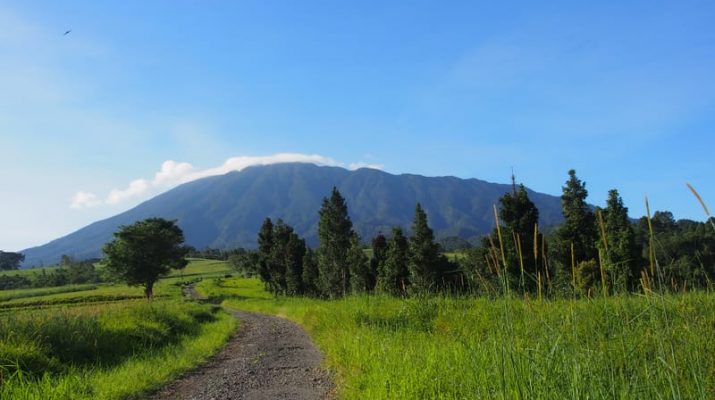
(624, 92)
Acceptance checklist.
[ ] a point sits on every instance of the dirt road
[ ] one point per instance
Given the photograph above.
(268, 358)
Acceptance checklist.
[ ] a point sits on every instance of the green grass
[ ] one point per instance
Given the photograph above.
(106, 341)
(27, 272)
(6, 295)
(455, 348)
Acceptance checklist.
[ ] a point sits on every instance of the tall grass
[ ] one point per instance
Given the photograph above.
(105, 342)
(79, 353)
(620, 347)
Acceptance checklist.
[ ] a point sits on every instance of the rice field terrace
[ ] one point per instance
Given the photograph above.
(103, 341)
(620, 347)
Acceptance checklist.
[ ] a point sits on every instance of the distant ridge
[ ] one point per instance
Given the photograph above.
(227, 210)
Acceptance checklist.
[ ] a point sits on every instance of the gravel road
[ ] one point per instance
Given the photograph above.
(267, 358)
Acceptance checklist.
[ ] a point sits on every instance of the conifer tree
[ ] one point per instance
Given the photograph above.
(310, 274)
(520, 217)
(334, 233)
(424, 255)
(265, 244)
(393, 273)
(578, 230)
(621, 254)
(360, 278)
(379, 250)
(293, 259)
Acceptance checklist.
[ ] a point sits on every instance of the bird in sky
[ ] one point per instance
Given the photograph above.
(67, 32)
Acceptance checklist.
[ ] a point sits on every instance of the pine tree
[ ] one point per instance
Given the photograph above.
(621, 254)
(360, 278)
(424, 256)
(520, 217)
(265, 244)
(311, 276)
(578, 232)
(334, 233)
(295, 251)
(393, 273)
(379, 250)
(278, 256)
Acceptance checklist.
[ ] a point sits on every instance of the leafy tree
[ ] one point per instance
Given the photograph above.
(10, 260)
(334, 233)
(245, 262)
(393, 273)
(360, 275)
(144, 251)
(578, 230)
(311, 277)
(684, 250)
(424, 256)
(621, 255)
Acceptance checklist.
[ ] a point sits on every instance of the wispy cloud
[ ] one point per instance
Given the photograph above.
(362, 164)
(174, 173)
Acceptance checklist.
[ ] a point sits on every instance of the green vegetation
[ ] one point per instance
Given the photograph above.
(105, 341)
(460, 347)
(144, 251)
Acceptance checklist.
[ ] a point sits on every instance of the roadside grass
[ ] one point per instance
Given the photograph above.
(620, 347)
(106, 341)
(110, 352)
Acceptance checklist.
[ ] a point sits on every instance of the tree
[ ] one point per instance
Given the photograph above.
(144, 251)
(10, 260)
(265, 244)
(578, 232)
(621, 254)
(360, 275)
(424, 256)
(311, 277)
(520, 217)
(393, 274)
(334, 233)
(379, 253)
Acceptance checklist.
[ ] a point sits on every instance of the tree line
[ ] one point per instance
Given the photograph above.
(594, 251)
(341, 265)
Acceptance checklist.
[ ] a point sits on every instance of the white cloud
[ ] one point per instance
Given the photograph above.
(362, 164)
(135, 188)
(85, 200)
(174, 173)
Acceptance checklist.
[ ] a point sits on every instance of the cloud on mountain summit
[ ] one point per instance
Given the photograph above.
(174, 173)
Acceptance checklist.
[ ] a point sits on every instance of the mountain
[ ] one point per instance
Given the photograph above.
(227, 210)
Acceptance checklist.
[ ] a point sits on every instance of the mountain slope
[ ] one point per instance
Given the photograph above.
(227, 210)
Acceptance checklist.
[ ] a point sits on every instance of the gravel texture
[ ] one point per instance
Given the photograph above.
(267, 358)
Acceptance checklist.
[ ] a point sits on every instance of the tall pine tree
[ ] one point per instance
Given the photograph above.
(621, 253)
(393, 273)
(265, 244)
(521, 239)
(424, 256)
(334, 233)
(578, 232)
(360, 277)
(310, 274)
(379, 250)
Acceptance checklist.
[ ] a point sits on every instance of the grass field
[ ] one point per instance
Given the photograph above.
(105, 341)
(455, 348)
